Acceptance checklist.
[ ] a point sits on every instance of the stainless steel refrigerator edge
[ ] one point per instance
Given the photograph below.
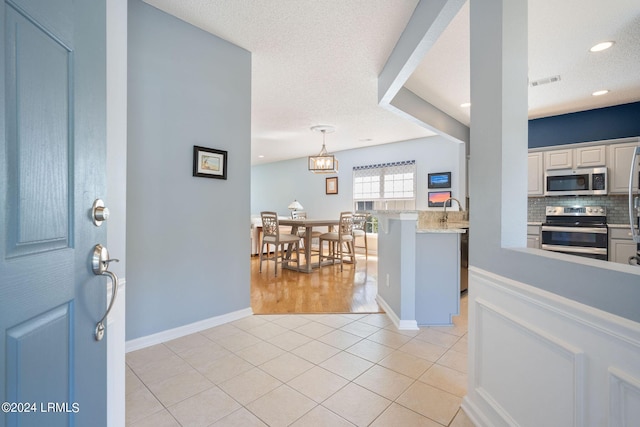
(634, 209)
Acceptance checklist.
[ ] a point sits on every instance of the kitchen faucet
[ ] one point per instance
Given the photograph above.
(444, 217)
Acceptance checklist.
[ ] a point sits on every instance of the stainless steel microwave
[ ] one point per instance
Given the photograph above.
(576, 182)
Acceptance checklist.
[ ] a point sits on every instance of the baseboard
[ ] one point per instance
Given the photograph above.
(474, 414)
(403, 325)
(171, 334)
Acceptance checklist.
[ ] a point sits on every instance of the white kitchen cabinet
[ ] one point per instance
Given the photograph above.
(620, 166)
(621, 246)
(558, 159)
(536, 174)
(533, 236)
(591, 156)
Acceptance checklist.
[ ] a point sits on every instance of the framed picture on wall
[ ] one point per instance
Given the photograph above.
(331, 185)
(439, 180)
(209, 163)
(437, 199)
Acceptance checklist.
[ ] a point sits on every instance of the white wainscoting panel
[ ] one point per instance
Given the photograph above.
(624, 409)
(556, 365)
(538, 359)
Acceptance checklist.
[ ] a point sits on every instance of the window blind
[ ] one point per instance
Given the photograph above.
(385, 182)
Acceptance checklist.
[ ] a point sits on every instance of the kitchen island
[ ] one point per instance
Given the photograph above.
(419, 269)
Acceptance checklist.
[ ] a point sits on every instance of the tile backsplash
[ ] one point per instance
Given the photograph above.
(617, 206)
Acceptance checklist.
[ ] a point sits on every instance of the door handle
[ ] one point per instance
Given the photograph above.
(100, 264)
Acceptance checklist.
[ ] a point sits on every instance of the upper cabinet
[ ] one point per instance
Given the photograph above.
(620, 167)
(572, 158)
(536, 174)
(615, 155)
(558, 159)
(591, 157)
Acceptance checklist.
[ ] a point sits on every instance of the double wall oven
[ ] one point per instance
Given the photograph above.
(577, 230)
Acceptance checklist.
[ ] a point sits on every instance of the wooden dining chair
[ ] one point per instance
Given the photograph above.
(360, 230)
(339, 240)
(271, 236)
(301, 230)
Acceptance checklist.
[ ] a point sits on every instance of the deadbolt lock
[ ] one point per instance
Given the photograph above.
(100, 213)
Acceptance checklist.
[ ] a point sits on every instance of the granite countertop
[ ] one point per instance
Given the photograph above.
(534, 223)
(459, 227)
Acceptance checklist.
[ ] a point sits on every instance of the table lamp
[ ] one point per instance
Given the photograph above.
(295, 206)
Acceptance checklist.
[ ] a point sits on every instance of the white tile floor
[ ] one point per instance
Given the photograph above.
(303, 370)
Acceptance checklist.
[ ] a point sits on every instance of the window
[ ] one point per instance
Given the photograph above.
(388, 186)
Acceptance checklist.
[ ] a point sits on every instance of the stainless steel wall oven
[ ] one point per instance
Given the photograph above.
(576, 230)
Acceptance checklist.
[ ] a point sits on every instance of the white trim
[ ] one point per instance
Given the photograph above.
(495, 405)
(408, 325)
(402, 325)
(122, 282)
(181, 331)
(633, 139)
(623, 387)
(560, 347)
(605, 323)
(474, 413)
(116, 381)
(602, 348)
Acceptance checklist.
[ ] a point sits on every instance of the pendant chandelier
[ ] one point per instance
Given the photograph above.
(323, 162)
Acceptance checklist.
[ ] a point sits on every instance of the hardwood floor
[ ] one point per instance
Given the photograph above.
(327, 290)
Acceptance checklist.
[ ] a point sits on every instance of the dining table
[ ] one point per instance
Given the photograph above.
(308, 225)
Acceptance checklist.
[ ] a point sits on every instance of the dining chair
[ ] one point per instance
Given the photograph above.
(271, 236)
(360, 230)
(301, 230)
(339, 240)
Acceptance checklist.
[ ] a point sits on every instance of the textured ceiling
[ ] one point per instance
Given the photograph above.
(560, 35)
(317, 62)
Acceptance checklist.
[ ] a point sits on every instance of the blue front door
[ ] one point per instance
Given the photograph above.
(52, 168)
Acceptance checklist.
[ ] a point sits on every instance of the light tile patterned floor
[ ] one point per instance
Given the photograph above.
(303, 370)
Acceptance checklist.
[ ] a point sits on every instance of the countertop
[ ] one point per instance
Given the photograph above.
(618, 226)
(459, 227)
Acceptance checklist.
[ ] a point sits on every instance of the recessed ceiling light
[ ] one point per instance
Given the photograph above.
(261, 156)
(601, 46)
(600, 92)
(465, 105)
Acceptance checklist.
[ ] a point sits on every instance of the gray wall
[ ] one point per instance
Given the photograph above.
(499, 135)
(275, 185)
(187, 237)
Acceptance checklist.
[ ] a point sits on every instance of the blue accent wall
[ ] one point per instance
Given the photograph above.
(620, 121)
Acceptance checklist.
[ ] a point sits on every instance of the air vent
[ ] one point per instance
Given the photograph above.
(545, 81)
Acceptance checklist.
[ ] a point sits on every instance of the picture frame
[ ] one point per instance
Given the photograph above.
(437, 198)
(439, 180)
(209, 163)
(331, 185)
